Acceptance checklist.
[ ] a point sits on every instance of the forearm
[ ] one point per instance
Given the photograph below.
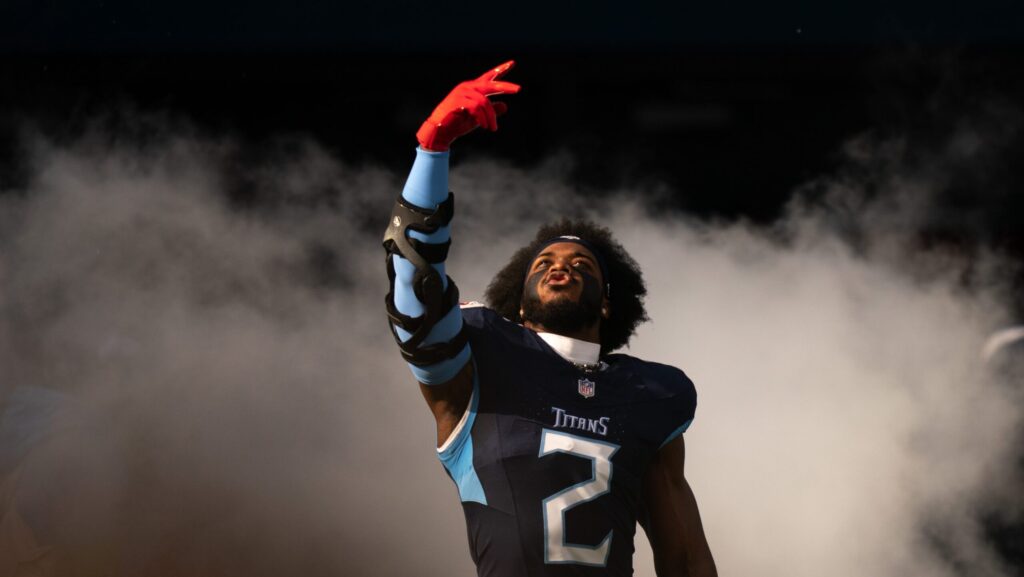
(692, 554)
(702, 568)
(674, 526)
(687, 569)
(427, 188)
(699, 561)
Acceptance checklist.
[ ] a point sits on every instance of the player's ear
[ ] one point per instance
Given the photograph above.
(606, 310)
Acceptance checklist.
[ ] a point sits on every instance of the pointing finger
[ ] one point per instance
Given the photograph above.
(488, 88)
(498, 71)
(499, 88)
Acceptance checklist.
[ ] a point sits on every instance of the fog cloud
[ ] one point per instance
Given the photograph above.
(235, 406)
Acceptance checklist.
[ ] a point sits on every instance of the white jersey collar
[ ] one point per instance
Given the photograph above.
(573, 350)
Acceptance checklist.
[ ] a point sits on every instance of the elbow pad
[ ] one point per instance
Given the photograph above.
(437, 296)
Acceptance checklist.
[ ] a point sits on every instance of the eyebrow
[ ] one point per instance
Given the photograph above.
(575, 254)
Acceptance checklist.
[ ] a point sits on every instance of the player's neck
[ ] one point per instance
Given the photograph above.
(583, 354)
(591, 334)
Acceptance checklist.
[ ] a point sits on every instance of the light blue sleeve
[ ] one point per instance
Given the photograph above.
(427, 187)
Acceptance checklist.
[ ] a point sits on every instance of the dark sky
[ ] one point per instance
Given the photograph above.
(728, 106)
(417, 25)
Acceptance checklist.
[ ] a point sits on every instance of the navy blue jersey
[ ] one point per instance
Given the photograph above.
(549, 460)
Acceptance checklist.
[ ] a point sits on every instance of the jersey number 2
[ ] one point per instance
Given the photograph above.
(556, 550)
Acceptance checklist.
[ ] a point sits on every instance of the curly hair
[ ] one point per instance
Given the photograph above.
(626, 306)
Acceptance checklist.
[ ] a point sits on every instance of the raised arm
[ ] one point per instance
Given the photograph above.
(423, 302)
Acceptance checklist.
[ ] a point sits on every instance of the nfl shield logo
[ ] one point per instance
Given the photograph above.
(586, 388)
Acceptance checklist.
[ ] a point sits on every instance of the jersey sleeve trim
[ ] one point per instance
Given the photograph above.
(676, 433)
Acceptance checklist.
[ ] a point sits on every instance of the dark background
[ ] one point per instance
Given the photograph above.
(729, 107)
(726, 108)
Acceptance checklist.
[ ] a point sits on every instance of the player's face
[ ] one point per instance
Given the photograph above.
(565, 270)
(563, 289)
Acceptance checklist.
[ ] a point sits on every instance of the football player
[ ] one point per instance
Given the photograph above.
(557, 445)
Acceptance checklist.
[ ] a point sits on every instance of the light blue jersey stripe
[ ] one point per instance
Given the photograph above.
(682, 429)
(457, 457)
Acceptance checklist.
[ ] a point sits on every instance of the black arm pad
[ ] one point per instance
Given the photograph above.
(427, 283)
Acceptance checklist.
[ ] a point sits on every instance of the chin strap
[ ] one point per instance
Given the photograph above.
(427, 284)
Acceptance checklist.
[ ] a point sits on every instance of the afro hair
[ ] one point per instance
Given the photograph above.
(626, 294)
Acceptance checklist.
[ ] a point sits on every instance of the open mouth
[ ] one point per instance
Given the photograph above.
(558, 278)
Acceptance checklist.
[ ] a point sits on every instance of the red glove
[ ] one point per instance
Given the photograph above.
(465, 108)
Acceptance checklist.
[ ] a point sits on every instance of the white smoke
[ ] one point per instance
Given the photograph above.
(240, 409)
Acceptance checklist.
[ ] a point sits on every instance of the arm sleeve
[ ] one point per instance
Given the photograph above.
(427, 187)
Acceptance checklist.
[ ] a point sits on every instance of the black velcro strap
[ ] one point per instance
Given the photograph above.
(426, 355)
(397, 319)
(412, 324)
(431, 252)
(420, 326)
(441, 215)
